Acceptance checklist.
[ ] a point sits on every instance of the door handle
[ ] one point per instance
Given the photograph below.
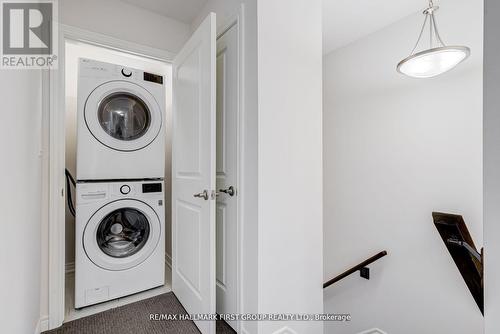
(203, 195)
(230, 191)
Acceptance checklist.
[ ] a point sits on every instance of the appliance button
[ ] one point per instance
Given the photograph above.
(126, 73)
(125, 189)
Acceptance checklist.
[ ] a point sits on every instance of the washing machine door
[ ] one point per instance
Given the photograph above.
(121, 234)
(123, 115)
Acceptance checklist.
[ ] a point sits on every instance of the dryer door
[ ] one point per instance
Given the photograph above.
(121, 234)
(123, 115)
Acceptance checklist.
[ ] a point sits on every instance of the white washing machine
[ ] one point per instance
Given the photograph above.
(121, 122)
(119, 239)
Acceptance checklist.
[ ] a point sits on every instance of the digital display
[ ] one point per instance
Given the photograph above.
(151, 188)
(153, 78)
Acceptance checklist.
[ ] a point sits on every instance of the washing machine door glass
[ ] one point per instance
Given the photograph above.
(124, 116)
(123, 232)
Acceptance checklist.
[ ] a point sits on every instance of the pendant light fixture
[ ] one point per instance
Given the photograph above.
(436, 60)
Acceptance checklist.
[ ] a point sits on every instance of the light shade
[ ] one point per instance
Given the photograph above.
(433, 62)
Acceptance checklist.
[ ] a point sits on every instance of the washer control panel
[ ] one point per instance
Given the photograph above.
(151, 188)
(99, 192)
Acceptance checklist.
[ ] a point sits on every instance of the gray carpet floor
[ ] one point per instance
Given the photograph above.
(134, 319)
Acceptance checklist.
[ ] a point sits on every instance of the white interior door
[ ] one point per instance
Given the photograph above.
(193, 174)
(227, 172)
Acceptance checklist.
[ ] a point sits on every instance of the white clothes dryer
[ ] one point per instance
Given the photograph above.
(121, 123)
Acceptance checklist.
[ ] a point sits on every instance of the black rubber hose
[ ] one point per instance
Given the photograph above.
(69, 197)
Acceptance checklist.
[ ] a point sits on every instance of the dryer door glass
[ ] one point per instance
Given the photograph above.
(124, 116)
(123, 232)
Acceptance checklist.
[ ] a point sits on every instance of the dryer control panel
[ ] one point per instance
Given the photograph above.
(97, 69)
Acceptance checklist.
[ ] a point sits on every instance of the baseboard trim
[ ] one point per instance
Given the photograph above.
(168, 260)
(285, 330)
(42, 325)
(373, 331)
(70, 268)
(244, 331)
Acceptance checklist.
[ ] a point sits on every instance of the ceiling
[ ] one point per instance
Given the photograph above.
(345, 21)
(181, 10)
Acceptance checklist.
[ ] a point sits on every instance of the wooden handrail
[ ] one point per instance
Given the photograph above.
(360, 267)
(469, 261)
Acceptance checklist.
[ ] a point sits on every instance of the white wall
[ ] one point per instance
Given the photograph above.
(492, 167)
(395, 150)
(21, 171)
(124, 21)
(290, 161)
(226, 10)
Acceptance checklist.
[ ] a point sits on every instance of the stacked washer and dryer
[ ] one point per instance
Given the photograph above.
(120, 215)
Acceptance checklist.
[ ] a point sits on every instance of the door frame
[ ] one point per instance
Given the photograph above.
(236, 20)
(55, 154)
(54, 110)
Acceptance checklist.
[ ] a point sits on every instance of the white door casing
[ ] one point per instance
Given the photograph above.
(193, 172)
(227, 172)
(54, 112)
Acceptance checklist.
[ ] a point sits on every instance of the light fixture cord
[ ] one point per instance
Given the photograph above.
(420, 35)
(433, 29)
(430, 29)
(436, 31)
